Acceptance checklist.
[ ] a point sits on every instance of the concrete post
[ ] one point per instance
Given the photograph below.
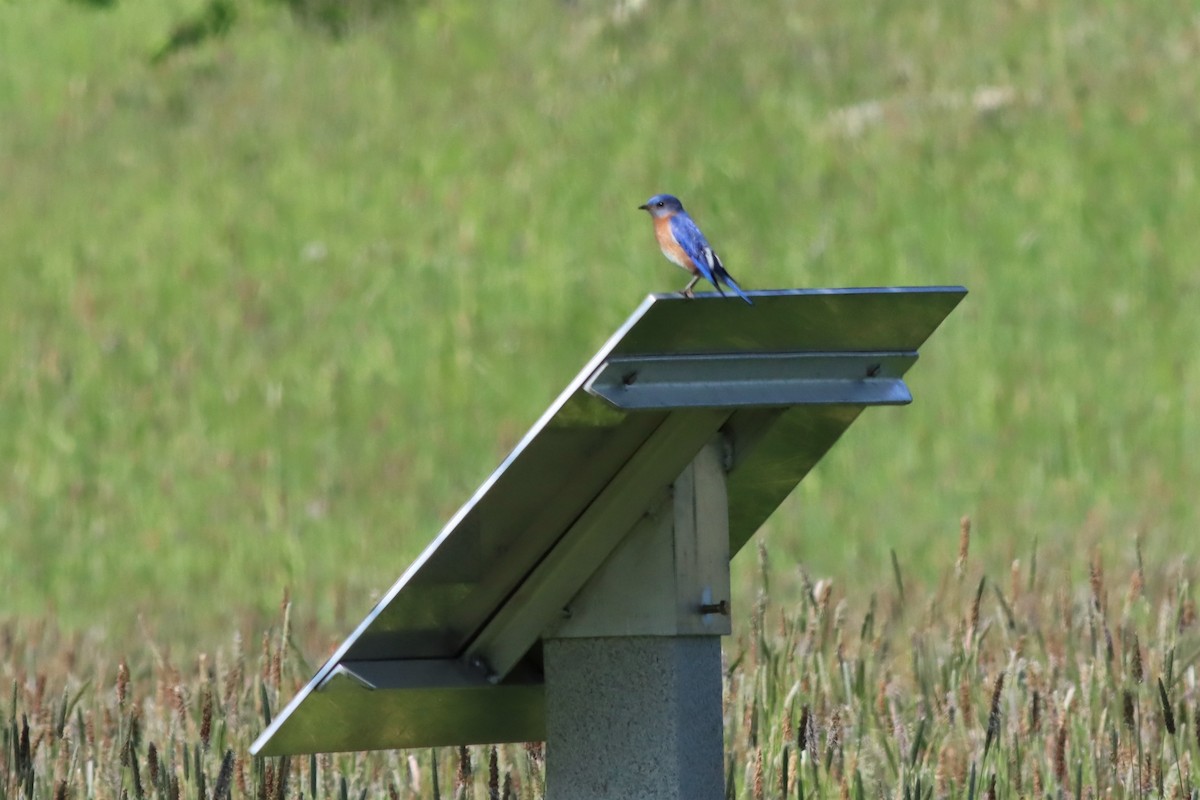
(633, 675)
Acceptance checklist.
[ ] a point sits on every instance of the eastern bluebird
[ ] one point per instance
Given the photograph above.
(683, 243)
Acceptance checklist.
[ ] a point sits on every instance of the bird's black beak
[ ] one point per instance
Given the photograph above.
(644, 207)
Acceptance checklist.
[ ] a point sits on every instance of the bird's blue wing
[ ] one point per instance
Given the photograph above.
(685, 231)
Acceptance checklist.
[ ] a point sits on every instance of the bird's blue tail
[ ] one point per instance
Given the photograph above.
(732, 284)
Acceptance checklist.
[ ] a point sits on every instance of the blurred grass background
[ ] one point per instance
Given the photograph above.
(272, 305)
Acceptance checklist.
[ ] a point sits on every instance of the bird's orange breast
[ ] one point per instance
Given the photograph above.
(670, 248)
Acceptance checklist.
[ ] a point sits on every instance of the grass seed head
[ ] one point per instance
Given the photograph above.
(1137, 585)
(224, 786)
(964, 700)
(240, 776)
(1060, 755)
(993, 725)
(833, 735)
(152, 763)
(1167, 712)
(266, 657)
(964, 545)
(951, 768)
(759, 788)
(1096, 579)
(463, 776)
(1135, 659)
(179, 701)
(791, 774)
(122, 683)
(1108, 645)
(764, 567)
(805, 732)
(973, 624)
(277, 669)
(1196, 725)
(233, 678)
(823, 591)
(206, 717)
(1187, 614)
(1066, 610)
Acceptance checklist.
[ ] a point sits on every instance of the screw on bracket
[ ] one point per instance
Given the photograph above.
(629, 378)
(481, 664)
(721, 608)
(874, 370)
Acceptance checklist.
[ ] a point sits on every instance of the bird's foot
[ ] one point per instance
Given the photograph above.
(688, 293)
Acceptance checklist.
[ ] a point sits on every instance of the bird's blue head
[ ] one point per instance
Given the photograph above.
(662, 205)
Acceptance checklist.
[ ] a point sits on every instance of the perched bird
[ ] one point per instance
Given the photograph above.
(683, 243)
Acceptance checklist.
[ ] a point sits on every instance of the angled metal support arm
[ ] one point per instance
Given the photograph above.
(543, 595)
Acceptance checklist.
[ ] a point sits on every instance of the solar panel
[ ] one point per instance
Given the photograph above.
(451, 654)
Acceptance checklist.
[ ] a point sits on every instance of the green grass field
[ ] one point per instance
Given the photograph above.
(271, 307)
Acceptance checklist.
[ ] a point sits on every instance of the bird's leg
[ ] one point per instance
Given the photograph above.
(687, 290)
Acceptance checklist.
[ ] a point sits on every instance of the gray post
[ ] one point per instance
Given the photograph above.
(633, 676)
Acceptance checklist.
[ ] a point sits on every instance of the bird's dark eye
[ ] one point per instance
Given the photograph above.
(660, 203)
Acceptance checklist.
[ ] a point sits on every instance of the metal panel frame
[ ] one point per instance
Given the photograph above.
(779, 381)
